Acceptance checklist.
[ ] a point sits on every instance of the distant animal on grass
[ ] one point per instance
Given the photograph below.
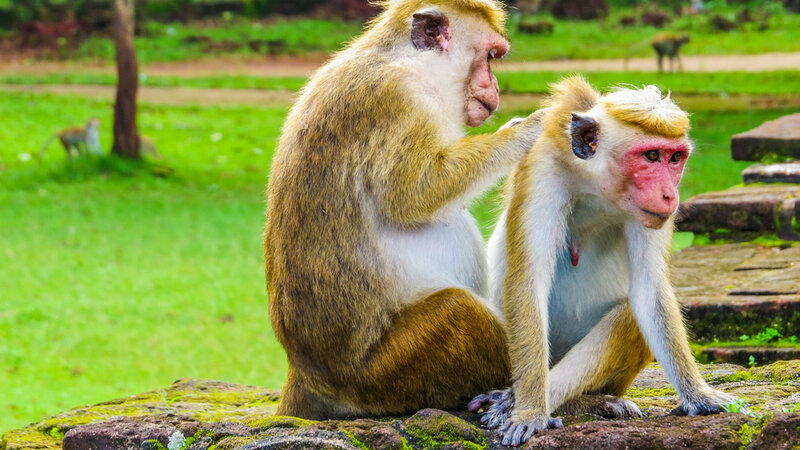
(579, 261)
(81, 140)
(376, 271)
(146, 145)
(669, 45)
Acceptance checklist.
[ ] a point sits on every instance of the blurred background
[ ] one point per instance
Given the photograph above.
(124, 269)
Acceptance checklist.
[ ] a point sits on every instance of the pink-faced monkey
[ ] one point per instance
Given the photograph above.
(579, 260)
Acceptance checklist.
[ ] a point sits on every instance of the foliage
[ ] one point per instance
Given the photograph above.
(735, 406)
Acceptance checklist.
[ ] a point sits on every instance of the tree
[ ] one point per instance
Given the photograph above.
(126, 133)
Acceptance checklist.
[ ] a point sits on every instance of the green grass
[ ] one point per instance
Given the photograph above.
(602, 39)
(777, 82)
(570, 40)
(116, 281)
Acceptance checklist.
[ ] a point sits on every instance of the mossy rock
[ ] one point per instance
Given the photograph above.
(210, 414)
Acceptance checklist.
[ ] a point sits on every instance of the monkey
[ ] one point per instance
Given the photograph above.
(669, 45)
(579, 259)
(80, 139)
(376, 271)
(148, 146)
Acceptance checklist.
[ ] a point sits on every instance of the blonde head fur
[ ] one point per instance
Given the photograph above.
(647, 109)
(398, 12)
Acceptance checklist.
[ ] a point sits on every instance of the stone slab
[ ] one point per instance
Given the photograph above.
(741, 355)
(770, 209)
(779, 137)
(735, 289)
(201, 414)
(772, 173)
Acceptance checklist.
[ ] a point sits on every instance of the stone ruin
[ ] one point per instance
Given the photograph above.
(742, 287)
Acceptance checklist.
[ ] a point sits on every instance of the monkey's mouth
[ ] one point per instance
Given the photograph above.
(659, 216)
(485, 105)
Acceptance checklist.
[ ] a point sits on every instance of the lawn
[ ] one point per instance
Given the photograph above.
(115, 280)
(596, 39)
(776, 82)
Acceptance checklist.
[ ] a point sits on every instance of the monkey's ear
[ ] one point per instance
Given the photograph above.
(430, 29)
(584, 135)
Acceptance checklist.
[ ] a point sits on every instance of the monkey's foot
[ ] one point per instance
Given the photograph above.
(605, 406)
(711, 401)
(518, 431)
(500, 403)
(485, 399)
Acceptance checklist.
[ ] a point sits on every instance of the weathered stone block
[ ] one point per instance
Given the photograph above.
(735, 289)
(223, 416)
(772, 173)
(741, 355)
(780, 137)
(752, 209)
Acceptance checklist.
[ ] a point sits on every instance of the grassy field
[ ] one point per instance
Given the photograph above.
(777, 82)
(116, 280)
(569, 40)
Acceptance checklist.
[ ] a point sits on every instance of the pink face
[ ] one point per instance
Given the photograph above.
(483, 92)
(653, 169)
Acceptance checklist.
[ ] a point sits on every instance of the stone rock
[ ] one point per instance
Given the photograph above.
(741, 355)
(773, 209)
(780, 137)
(229, 416)
(772, 173)
(735, 289)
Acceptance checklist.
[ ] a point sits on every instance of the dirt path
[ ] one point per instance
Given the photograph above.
(305, 65)
(266, 98)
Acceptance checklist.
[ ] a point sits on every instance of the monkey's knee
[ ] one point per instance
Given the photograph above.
(299, 400)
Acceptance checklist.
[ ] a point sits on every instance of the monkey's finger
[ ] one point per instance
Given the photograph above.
(477, 402)
(496, 419)
(528, 434)
(555, 422)
(505, 425)
(679, 411)
(508, 437)
(516, 437)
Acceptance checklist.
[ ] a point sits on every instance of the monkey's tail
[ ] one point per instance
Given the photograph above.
(45, 146)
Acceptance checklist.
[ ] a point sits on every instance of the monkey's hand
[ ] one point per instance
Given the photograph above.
(500, 404)
(528, 128)
(709, 401)
(524, 424)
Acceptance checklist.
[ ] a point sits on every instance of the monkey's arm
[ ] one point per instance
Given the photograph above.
(536, 235)
(659, 317)
(420, 180)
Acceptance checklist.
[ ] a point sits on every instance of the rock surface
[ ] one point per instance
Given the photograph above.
(735, 289)
(780, 137)
(199, 414)
(743, 355)
(772, 173)
(771, 209)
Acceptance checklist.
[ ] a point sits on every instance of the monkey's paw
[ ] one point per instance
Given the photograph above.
(605, 406)
(708, 402)
(518, 429)
(500, 404)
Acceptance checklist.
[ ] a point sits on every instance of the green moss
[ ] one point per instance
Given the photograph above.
(736, 377)
(276, 422)
(636, 392)
(444, 430)
(156, 444)
(780, 371)
(771, 240)
(355, 441)
(750, 430)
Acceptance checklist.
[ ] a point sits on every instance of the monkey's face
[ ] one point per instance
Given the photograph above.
(652, 169)
(470, 45)
(637, 172)
(483, 91)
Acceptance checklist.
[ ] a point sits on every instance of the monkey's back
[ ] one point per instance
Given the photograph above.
(324, 272)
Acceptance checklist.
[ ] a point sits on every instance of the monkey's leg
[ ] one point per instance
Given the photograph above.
(604, 362)
(438, 353)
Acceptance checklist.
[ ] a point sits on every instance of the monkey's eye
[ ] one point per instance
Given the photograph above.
(676, 157)
(651, 155)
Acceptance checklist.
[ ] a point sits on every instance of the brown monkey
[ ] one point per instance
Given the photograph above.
(579, 259)
(376, 271)
(80, 139)
(669, 45)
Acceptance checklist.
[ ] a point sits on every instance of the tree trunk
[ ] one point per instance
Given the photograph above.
(126, 133)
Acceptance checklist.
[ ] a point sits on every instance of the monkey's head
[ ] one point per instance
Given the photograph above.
(634, 143)
(454, 42)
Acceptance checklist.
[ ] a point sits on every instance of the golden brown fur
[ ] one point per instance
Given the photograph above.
(364, 159)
